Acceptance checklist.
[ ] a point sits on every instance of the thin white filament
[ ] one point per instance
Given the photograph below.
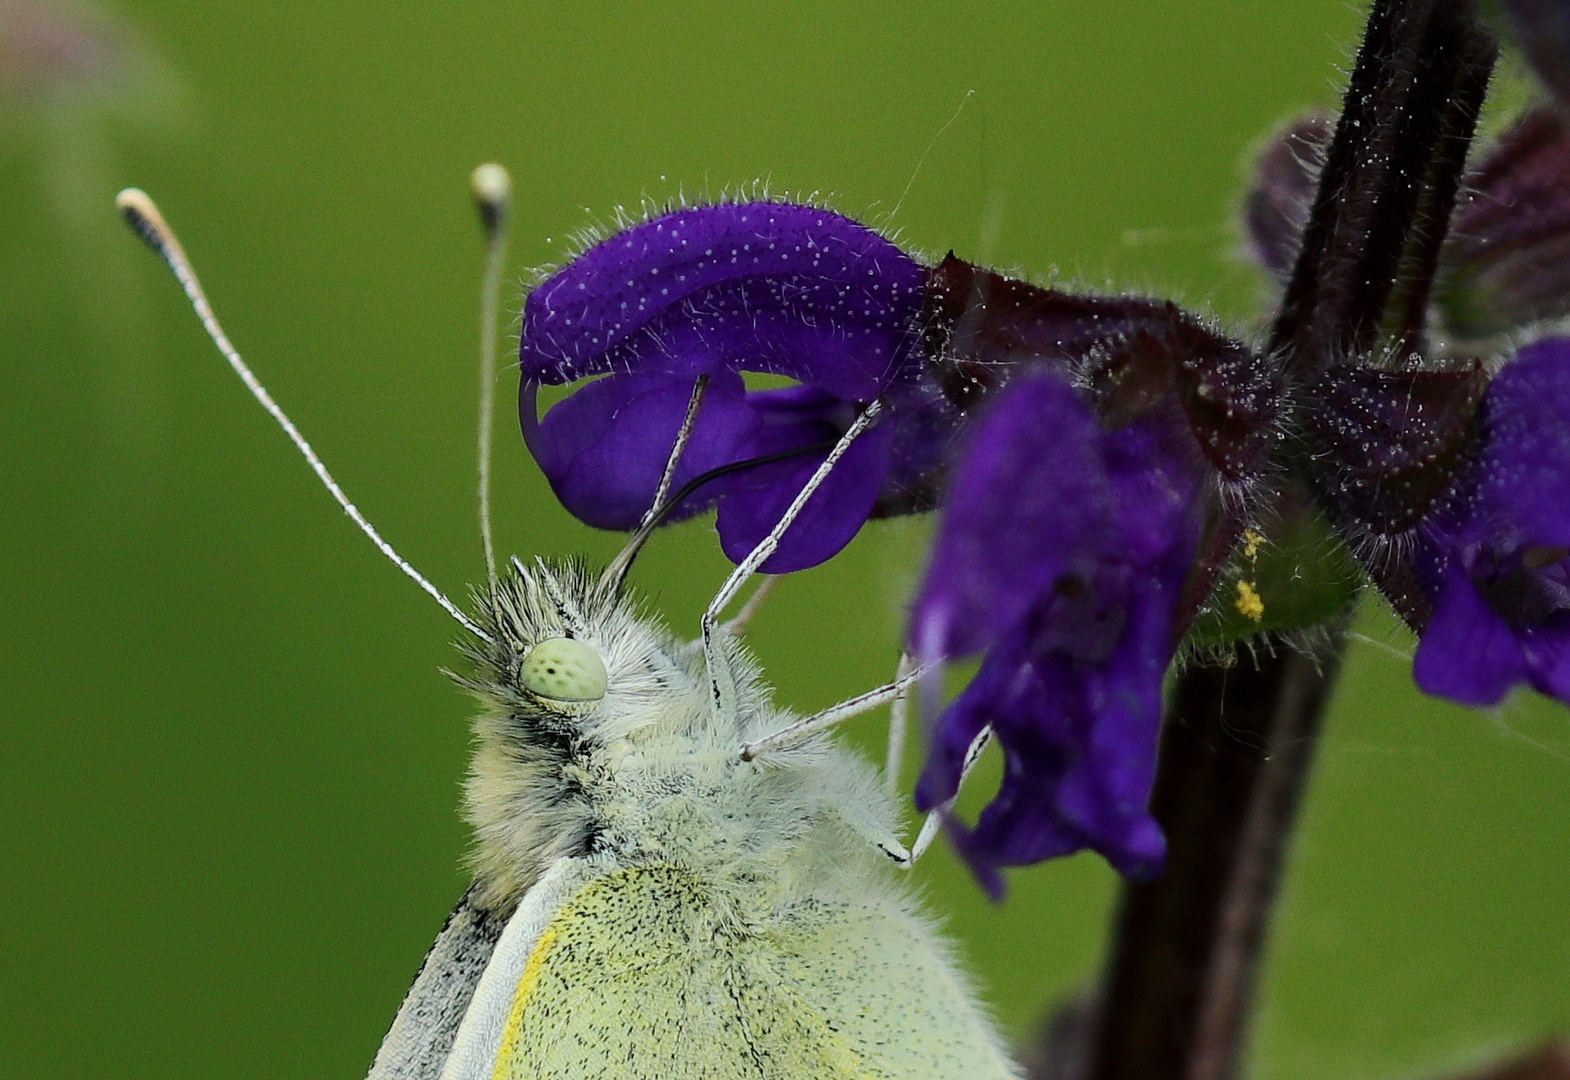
(493, 193)
(142, 214)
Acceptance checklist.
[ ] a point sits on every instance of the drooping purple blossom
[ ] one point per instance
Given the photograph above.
(1062, 555)
(778, 288)
(1497, 559)
(1099, 433)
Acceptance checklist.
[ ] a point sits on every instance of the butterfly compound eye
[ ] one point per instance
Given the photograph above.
(563, 669)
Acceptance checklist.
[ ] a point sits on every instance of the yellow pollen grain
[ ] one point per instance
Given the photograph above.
(1251, 543)
(1249, 605)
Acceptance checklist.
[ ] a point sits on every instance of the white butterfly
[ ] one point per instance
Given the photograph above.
(674, 878)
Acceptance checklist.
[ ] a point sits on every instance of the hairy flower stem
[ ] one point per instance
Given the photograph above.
(1389, 181)
(1238, 739)
(1235, 750)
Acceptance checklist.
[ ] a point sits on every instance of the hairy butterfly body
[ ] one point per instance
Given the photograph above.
(655, 906)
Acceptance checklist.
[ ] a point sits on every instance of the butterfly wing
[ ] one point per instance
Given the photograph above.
(642, 974)
(422, 1034)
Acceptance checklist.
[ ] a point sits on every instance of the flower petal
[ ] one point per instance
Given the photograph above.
(1548, 657)
(1063, 552)
(1028, 494)
(1527, 461)
(774, 287)
(766, 287)
(605, 447)
(1079, 735)
(757, 499)
(1468, 653)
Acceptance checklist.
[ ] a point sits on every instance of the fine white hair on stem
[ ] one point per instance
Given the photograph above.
(492, 188)
(142, 215)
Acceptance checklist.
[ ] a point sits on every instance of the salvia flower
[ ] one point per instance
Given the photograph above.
(778, 288)
(1497, 559)
(1062, 555)
(1449, 485)
(1077, 543)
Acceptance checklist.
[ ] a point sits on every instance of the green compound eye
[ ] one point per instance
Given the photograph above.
(563, 669)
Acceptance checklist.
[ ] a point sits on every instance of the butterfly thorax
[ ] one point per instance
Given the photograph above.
(650, 773)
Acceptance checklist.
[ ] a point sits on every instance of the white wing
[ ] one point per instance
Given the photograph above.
(422, 1034)
(478, 1039)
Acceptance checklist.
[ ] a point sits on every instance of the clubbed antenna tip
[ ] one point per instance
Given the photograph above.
(141, 213)
(492, 187)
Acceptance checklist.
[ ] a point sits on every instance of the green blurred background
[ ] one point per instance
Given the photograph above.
(229, 765)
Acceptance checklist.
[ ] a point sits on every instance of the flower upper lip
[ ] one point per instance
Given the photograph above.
(712, 291)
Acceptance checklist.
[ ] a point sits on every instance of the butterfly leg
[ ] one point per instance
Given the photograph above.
(876, 833)
(834, 714)
(722, 683)
(737, 623)
(899, 722)
(934, 820)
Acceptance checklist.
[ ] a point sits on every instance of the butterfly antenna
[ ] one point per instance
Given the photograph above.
(492, 187)
(142, 215)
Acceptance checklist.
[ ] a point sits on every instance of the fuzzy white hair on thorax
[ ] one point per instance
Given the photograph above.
(650, 773)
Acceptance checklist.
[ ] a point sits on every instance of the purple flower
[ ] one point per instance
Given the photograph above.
(1495, 559)
(1062, 554)
(787, 290)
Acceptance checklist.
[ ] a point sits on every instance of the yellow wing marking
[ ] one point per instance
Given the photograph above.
(538, 958)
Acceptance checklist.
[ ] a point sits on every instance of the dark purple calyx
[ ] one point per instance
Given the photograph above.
(1393, 441)
(1132, 354)
(1388, 447)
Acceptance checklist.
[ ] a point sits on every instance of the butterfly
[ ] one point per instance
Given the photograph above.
(674, 877)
